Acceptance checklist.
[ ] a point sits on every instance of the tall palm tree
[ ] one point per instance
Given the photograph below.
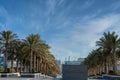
(14, 51)
(32, 43)
(21, 54)
(5, 38)
(110, 42)
(95, 62)
(30, 53)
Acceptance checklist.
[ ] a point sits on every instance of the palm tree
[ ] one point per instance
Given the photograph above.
(5, 38)
(32, 43)
(12, 51)
(21, 54)
(110, 43)
(30, 53)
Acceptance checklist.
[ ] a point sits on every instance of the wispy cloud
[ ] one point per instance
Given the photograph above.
(4, 16)
(71, 27)
(3, 11)
(87, 4)
(81, 38)
(51, 6)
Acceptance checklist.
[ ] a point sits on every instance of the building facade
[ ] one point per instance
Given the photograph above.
(74, 72)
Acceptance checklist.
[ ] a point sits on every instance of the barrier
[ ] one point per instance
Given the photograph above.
(24, 76)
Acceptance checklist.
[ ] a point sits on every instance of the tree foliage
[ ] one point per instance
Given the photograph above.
(105, 57)
(31, 54)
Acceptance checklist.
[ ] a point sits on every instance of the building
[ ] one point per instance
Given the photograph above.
(72, 62)
(59, 65)
(74, 72)
(81, 59)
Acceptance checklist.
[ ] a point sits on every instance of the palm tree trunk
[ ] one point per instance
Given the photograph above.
(114, 62)
(115, 65)
(39, 66)
(31, 61)
(24, 67)
(5, 68)
(107, 69)
(27, 68)
(105, 65)
(99, 69)
(109, 66)
(12, 62)
(17, 66)
(34, 62)
(20, 67)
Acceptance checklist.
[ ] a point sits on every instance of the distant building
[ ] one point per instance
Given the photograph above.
(2, 62)
(78, 62)
(81, 59)
(59, 65)
(72, 62)
(58, 62)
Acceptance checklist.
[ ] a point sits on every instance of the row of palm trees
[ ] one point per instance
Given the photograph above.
(104, 59)
(31, 54)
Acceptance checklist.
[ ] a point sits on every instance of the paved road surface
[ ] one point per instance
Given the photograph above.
(24, 79)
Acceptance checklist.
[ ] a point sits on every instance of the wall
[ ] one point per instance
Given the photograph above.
(75, 72)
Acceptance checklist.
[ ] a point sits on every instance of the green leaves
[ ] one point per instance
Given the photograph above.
(29, 52)
(108, 50)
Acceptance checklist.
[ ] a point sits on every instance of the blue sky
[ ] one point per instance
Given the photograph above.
(70, 27)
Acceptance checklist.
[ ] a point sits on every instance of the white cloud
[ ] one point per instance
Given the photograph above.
(4, 18)
(51, 4)
(100, 25)
(82, 36)
(76, 36)
(3, 11)
(89, 31)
